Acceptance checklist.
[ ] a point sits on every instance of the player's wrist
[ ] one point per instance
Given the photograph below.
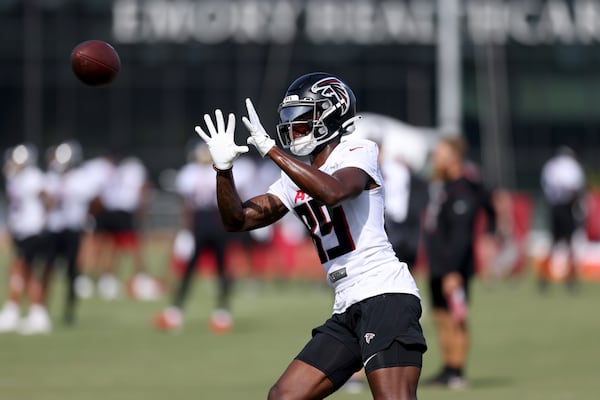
(220, 168)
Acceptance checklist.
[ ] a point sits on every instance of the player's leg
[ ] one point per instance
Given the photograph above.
(224, 290)
(571, 278)
(322, 367)
(452, 332)
(72, 241)
(171, 318)
(183, 286)
(37, 320)
(392, 344)
(221, 320)
(108, 284)
(399, 383)
(10, 312)
(441, 320)
(570, 225)
(115, 226)
(128, 239)
(301, 381)
(394, 372)
(50, 255)
(556, 231)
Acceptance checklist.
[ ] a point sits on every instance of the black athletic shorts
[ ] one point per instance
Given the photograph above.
(115, 221)
(563, 221)
(30, 249)
(378, 332)
(64, 244)
(438, 300)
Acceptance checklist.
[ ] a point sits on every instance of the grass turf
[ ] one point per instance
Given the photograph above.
(525, 346)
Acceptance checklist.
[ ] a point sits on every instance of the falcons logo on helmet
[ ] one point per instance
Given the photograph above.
(332, 87)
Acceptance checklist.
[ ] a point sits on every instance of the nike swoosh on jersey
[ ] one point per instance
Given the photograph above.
(355, 148)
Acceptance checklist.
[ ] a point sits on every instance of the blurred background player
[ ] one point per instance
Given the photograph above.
(195, 183)
(25, 220)
(563, 186)
(69, 191)
(406, 196)
(456, 199)
(119, 211)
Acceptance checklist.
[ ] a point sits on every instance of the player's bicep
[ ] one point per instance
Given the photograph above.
(353, 180)
(262, 210)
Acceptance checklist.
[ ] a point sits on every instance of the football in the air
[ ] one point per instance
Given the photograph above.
(95, 62)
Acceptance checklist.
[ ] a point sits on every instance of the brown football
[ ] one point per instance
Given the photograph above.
(95, 62)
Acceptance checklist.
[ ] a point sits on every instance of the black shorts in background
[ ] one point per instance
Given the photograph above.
(438, 300)
(30, 249)
(115, 221)
(563, 221)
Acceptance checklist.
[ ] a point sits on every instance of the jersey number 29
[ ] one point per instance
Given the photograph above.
(322, 221)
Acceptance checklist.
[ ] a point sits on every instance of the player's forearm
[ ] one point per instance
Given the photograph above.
(230, 205)
(319, 185)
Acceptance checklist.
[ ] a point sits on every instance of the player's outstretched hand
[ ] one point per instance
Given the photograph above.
(259, 138)
(219, 139)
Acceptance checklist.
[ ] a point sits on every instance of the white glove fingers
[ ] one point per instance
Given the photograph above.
(248, 124)
(241, 149)
(202, 134)
(209, 124)
(251, 111)
(220, 120)
(230, 124)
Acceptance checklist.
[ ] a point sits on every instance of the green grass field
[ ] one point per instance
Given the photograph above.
(525, 346)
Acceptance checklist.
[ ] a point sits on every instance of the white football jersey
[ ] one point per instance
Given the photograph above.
(25, 214)
(98, 171)
(349, 237)
(196, 184)
(562, 178)
(123, 189)
(71, 192)
(397, 189)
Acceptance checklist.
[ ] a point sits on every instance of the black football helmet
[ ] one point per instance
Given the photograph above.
(317, 107)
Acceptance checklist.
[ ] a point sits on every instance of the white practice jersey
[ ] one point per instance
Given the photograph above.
(196, 184)
(247, 178)
(98, 172)
(397, 189)
(562, 178)
(71, 193)
(350, 238)
(26, 214)
(124, 187)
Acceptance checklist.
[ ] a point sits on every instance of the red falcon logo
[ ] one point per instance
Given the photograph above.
(332, 87)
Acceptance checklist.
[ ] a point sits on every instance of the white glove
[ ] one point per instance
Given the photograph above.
(259, 138)
(223, 149)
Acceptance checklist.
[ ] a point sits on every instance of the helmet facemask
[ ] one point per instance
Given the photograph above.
(302, 126)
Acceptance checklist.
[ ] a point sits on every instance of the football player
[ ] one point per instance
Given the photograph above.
(122, 205)
(194, 183)
(25, 220)
(563, 184)
(69, 191)
(339, 197)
